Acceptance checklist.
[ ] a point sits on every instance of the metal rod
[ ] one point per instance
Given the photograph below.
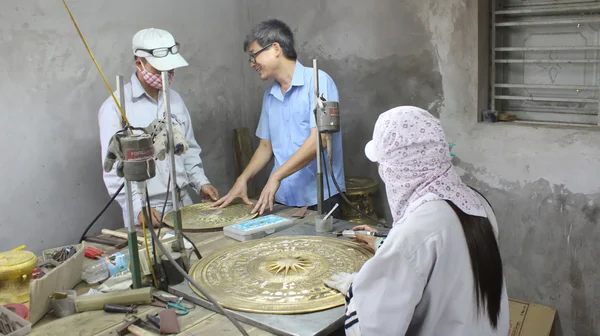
(557, 48)
(492, 57)
(552, 61)
(547, 86)
(552, 9)
(178, 245)
(136, 276)
(598, 93)
(561, 112)
(551, 99)
(548, 22)
(526, 4)
(320, 198)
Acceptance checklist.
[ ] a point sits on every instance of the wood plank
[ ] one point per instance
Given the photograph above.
(86, 323)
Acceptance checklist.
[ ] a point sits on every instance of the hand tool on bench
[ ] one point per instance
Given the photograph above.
(134, 325)
(121, 235)
(118, 244)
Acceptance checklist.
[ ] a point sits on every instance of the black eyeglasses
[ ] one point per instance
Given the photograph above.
(253, 55)
(162, 52)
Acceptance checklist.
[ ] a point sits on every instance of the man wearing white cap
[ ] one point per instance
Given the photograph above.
(155, 50)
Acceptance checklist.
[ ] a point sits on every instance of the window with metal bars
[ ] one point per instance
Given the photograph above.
(545, 60)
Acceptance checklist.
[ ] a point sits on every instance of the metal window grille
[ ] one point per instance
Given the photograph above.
(545, 60)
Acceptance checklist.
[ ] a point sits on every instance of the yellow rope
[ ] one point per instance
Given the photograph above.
(97, 66)
(148, 250)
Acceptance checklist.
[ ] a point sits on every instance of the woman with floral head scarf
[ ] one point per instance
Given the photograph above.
(439, 271)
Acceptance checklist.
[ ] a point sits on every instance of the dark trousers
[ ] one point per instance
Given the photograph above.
(328, 204)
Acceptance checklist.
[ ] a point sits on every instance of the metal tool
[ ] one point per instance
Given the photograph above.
(133, 324)
(117, 244)
(174, 302)
(63, 254)
(7, 325)
(352, 233)
(113, 308)
(327, 119)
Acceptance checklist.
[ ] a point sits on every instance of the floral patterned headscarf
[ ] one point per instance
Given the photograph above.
(415, 163)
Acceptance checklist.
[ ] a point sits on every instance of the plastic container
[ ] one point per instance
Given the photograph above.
(322, 225)
(256, 228)
(25, 326)
(16, 269)
(105, 268)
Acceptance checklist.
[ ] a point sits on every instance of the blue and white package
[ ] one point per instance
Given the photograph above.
(265, 225)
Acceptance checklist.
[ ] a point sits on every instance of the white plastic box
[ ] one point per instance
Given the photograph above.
(256, 228)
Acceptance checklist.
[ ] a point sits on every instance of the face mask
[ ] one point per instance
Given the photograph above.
(155, 80)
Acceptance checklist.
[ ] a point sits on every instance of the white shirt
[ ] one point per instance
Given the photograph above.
(141, 110)
(420, 281)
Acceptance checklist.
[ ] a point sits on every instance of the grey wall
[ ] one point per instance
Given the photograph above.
(51, 93)
(382, 54)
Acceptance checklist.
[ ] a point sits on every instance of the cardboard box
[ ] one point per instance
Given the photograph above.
(62, 278)
(529, 319)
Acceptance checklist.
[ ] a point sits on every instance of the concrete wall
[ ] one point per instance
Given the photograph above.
(51, 92)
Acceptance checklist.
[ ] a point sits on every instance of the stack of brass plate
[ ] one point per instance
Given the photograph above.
(282, 275)
(203, 217)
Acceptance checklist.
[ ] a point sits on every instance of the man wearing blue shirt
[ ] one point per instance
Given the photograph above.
(286, 127)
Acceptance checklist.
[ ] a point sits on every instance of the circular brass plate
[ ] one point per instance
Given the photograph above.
(202, 217)
(282, 275)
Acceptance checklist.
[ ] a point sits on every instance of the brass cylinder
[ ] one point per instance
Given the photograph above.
(360, 191)
(16, 268)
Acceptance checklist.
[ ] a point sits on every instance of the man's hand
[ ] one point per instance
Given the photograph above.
(361, 238)
(239, 190)
(154, 217)
(208, 191)
(267, 196)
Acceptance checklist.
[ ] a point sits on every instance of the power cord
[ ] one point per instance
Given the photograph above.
(343, 195)
(324, 161)
(101, 212)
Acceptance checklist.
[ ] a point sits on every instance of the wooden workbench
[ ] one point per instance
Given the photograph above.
(199, 321)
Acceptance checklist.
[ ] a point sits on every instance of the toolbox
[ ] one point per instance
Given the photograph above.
(256, 228)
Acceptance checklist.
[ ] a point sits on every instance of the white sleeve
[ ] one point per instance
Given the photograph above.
(384, 294)
(109, 123)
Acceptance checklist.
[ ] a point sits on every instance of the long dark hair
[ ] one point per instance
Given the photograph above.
(486, 262)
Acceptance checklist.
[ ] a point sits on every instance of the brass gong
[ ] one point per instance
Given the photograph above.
(203, 217)
(282, 275)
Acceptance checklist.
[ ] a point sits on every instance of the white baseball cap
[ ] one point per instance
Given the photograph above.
(148, 40)
(370, 151)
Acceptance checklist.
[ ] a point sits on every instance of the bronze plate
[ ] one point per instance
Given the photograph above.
(282, 275)
(202, 217)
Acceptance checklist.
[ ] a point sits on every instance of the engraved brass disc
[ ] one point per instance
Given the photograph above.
(282, 275)
(202, 217)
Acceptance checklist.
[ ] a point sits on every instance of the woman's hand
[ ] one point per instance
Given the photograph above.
(365, 239)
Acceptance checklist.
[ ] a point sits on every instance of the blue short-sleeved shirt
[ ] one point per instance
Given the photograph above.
(286, 120)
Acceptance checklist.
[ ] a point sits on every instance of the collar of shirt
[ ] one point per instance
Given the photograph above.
(297, 80)
(137, 90)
